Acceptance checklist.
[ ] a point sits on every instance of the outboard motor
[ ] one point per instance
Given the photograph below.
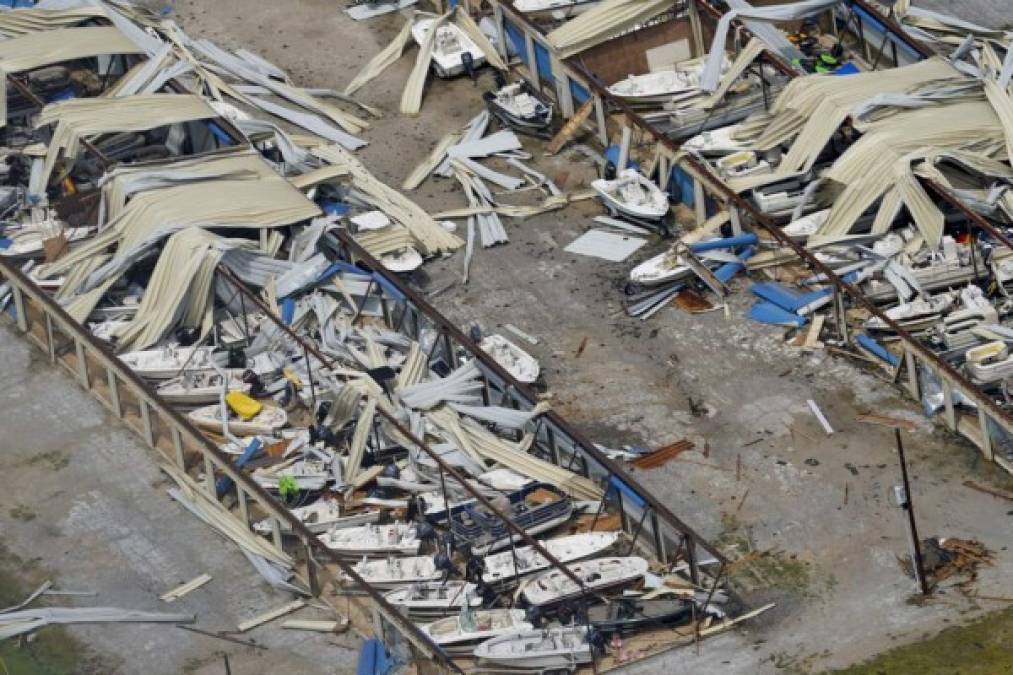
(187, 335)
(237, 357)
(256, 384)
(469, 66)
(501, 80)
(318, 433)
(442, 562)
(534, 616)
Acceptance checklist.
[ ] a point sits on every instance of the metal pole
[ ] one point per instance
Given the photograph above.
(916, 550)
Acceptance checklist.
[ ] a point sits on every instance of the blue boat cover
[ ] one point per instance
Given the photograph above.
(728, 242)
(785, 297)
(768, 312)
(373, 659)
(725, 273)
(879, 350)
(288, 310)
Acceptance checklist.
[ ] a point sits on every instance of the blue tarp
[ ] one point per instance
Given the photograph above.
(847, 69)
(373, 659)
(225, 483)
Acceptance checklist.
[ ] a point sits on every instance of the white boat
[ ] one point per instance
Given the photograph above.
(322, 515)
(449, 48)
(632, 195)
(597, 574)
(989, 363)
(458, 635)
(168, 362)
(662, 268)
(373, 540)
(806, 226)
(716, 142)
(27, 242)
(740, 164)
(269, 420)
(535, 6)
(308, 474)
(500, 567)
(919, 314)
(391, 572)
(434, 599)
(515, 105)
(513, 359)
(552, 648)
(201, 387)
(656, 87)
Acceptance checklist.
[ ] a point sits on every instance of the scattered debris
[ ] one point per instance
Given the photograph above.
(662, 455)
(819, 416)
(270, 615)
(183, 589)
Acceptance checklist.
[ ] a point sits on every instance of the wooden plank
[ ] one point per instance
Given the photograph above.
(887, 421)
(571, 126)
(812, 338)
(183, 589)
(270, 615)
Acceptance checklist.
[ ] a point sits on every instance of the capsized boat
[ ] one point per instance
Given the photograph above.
(321, 516)
(434, 599)
(373, 540)
(168, 362)
(631, 614)
(268, 420)
(597, 574)
(201, 387)
(632, 195)
(458, 635)
(391, 572)
(563, 648)
(539, 507)
(515, 105)
(500, 568)
(663, 268)
(449, 48)
(513, 359)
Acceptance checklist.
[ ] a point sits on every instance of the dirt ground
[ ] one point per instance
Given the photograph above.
(764, 476)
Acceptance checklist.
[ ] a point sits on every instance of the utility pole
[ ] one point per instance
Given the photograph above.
(905, 502)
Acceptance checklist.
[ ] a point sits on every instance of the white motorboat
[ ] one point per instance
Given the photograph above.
(806, 226)
(597, 574)
(322, 515)
(201, 387)
(662, 268)
(563, 6)
(989, 363)
(742, 163)
(716, 142)
(517, 106)
(391, 572)
(27, 242)
(500, 568)
(512, 358)
(458, 635)
(434, 599)
(919, 314)
(656, 87)
(169, 362)
(308, 474)
(632, 195)
(538, 650)
(449, 47)
(373, 540)
(268, 421)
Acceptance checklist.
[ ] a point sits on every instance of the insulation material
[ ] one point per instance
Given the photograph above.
(78, 118)
(36, 50)
(411, 98)
(431, 238)
(385, 240)
(603, 22)
(461, 386)
(382, 61)
(433, 160)
(14, 24)
(310, 122)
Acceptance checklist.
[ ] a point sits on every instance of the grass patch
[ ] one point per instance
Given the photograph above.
(53, 651)
(983, 647)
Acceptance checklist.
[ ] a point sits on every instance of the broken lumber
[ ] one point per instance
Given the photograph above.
(270, 615)
(183, 589)
(571, 126)
(662, 455)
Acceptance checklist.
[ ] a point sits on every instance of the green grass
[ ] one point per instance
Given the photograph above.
(53, 651)
(983, 647)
